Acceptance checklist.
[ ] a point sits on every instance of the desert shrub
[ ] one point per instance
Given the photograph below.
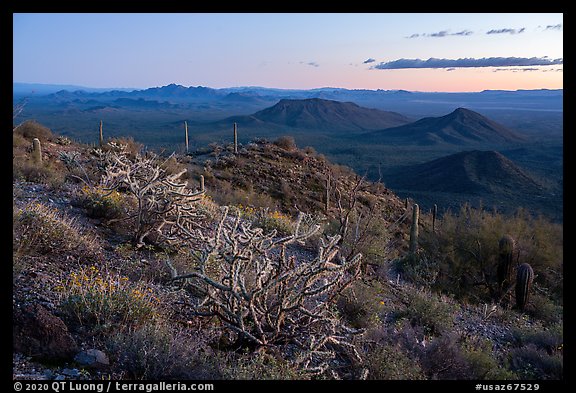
(424, 308)
(537, 351)
(31, 129)
(259, 366)
(361, 304)
(363, 228)
(309, 150)
(225, 194)
(160, 351)
(544, 309)
(172, 165)
(533, 363)
(105, 299)
(266, 219)
(46, 172)
(100, 203)
(465, 250)
(19, 142)
(39, 230)
(391, 362)
(482, 364)
(444, 359)
(549, 339)
(419, 269)
(286, 143)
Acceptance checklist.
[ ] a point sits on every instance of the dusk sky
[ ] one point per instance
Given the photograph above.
(417, 52)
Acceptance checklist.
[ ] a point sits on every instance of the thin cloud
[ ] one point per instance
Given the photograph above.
(442, 33)
(310, 63)
(506, 31)
(370, 60)
(467, 63)
(519, 69)
(554, 27)
(464, 32)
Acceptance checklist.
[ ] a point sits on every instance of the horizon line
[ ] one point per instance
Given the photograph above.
(271, 88)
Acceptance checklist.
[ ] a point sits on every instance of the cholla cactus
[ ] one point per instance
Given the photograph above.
(246, 279)
(161, 197)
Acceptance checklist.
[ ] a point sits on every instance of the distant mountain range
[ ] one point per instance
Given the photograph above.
(461, 127)
(383, 133)
(320, 114)
(424, 103)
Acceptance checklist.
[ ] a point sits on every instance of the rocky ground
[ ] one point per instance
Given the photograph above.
(40, 332)
(45, 348)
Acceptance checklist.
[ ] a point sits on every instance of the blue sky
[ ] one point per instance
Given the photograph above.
(418, 52)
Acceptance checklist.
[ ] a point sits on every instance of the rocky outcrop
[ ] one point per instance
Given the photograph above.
(42, 335)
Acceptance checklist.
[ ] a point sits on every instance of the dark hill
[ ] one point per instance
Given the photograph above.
(470, 172)
(326, 115)
(461, 127)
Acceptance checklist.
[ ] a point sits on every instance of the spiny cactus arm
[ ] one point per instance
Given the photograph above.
(172, 180)
(256, 318)
(189, 196)
(244, 332)
(351, 349)
(309, 292)
(204, 278)
(297, 236)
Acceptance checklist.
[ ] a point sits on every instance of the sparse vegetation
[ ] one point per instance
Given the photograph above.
(252, 278)
(106, 301)
(39, 229)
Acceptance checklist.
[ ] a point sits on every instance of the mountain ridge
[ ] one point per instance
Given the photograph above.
(321, 114)
(460, 127)
(472, 172)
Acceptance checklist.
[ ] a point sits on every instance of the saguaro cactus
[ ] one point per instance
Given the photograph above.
(507, 246)
(36, 151)
(235, 139)
(414, 229)
(101, 138)
(327, 196)
(524, 278)
(434, 215)
(202, 183)
(186, 134)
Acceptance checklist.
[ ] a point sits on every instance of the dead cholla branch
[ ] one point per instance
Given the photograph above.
(269, 298)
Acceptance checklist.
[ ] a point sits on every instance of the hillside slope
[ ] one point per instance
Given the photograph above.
(481, 178)
(461, 127)
(467, 172)
(89, 302)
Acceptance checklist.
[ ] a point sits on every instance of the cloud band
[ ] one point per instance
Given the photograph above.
(467, 63)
